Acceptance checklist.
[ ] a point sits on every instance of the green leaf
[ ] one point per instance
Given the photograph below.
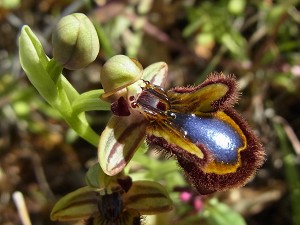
(192, 27)
(218, 213)
(96, 178)
(236, 6)
(205, 38)
(235, 43)
(9, 4)
(34, 62)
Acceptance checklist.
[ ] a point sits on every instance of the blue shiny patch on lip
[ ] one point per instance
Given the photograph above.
(219, 137)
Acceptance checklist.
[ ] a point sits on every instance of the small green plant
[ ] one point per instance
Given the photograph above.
(106, 199)
(142, 110)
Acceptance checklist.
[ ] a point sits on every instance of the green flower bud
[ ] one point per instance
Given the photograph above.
(75, 41)
(119, 72)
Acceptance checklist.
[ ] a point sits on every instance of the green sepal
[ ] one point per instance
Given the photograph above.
(79, 204)
(96, 178)
(156, 73)
(119, 141)
(148, 198)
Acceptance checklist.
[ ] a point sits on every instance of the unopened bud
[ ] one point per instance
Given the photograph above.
(119, 72)
(75, 41)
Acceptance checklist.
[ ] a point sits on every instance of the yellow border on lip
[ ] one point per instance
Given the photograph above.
(224, 168)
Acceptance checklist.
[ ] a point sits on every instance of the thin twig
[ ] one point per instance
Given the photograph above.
(291, 171)
(40, 175)
(21, 206)
(161, 36)
(289, 133)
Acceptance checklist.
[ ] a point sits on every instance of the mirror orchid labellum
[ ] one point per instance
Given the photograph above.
(212, 143)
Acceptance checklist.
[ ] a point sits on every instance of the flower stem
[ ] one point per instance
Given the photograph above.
(46, 77)
(83, 129)
(90, 101)
(76, 121)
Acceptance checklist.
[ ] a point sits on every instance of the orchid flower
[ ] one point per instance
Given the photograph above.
(212, 143)
(112, 200)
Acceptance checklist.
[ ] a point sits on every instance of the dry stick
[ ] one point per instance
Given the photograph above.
(115, 8)
(40, 175)
(291, 172)
(163, 37)
(269, 42)
(21, 206)
(290, 133)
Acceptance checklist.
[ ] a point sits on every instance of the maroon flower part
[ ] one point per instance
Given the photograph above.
(213, 144)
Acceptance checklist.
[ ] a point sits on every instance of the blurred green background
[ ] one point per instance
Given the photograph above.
(258, 41)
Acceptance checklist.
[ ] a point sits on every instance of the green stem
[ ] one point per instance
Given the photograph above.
(83, 129)
(90, 101)
(213, 63)
(291, 172)
(76, 121)
(69, 89)
(46, 77)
